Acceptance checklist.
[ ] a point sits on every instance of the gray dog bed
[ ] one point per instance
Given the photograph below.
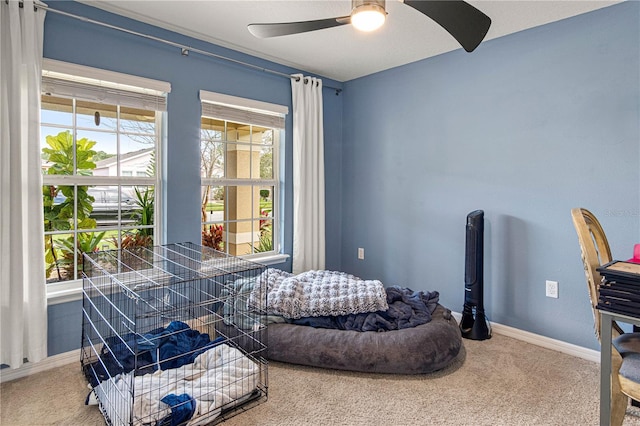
(418, 350)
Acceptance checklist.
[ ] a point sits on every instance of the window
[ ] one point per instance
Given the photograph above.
(95, 131)
(239, 145)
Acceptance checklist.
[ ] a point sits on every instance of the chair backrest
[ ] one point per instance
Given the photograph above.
(595, 252)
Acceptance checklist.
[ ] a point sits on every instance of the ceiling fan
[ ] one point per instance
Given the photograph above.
(464, 22)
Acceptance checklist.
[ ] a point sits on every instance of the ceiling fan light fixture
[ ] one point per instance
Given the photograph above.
(463, 21)
(368, 17)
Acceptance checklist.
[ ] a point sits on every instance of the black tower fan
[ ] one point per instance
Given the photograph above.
(473, 324)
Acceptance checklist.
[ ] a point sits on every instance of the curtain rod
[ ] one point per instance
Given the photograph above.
(184, 50)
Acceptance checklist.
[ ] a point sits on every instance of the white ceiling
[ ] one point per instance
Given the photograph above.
(340, 53)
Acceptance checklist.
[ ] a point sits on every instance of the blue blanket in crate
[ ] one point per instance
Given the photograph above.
(164, 348)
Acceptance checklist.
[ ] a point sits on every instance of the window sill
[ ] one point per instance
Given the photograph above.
(268, 260)
(71, 291)
(68, 291)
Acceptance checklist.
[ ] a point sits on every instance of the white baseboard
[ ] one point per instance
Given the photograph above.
(27, 369)
(7, 374)
(542, 341)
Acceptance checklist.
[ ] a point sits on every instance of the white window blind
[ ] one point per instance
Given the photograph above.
(240, 110)
(76, 81)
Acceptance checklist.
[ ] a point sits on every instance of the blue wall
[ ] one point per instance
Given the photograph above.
(525, 128)
(70, 40)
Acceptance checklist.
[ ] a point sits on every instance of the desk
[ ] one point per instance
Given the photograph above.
(618, 292)
(607, 319)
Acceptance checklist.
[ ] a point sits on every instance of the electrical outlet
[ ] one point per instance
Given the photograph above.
(360, 253)
(552, 289)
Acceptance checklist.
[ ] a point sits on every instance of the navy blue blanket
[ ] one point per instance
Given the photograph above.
(170, 347)
(407, 308)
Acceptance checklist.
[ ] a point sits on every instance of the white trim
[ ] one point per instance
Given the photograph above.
(70, 180)
(159, 216)
(63, 292)
(268, 259)
(28, 369)
(249, 104)
(543, 341)
(83, 71)
(238, 181)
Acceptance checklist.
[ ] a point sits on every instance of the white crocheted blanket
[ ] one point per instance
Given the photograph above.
(319, 293)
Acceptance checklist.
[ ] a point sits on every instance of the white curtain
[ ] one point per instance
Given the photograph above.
(308, 174)
(23, 300)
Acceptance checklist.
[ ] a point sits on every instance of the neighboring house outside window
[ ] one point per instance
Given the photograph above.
(240, 196)
(99, 131)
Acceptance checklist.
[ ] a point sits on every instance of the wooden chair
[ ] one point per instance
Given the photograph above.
(625, 362)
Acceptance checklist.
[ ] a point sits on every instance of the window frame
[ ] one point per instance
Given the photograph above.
(111, 82)
(227, 108)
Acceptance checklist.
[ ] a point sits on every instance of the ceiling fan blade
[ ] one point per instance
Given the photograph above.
(275, 30)
(464, 22)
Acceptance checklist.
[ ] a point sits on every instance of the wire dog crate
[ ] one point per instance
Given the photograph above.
(168, 337)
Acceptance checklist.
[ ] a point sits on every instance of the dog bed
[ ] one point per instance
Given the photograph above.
(422, 349)
(417, 349)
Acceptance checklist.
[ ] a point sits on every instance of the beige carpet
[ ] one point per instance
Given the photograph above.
(501, 381)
